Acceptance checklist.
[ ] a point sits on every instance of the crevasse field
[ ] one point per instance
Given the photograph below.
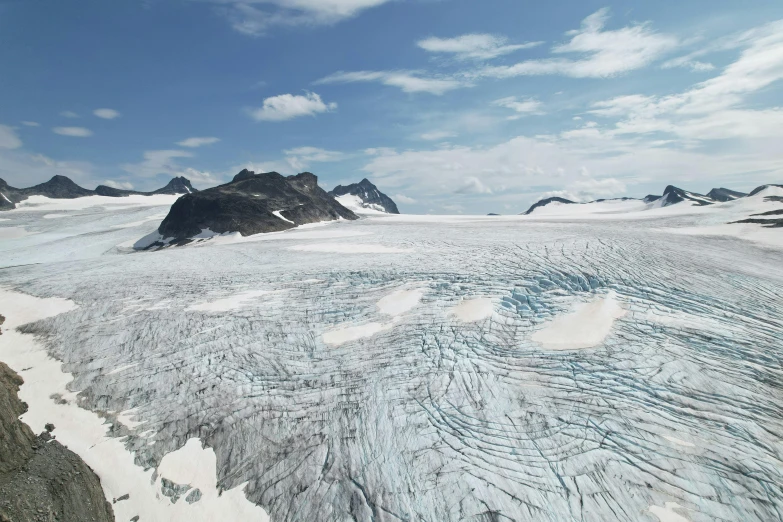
(555, 367)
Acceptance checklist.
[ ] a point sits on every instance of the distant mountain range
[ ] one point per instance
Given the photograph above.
(364, 195)
(62, 187)
(250, 204)
(671, 196)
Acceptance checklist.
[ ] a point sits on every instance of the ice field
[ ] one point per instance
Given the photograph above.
(583, 366)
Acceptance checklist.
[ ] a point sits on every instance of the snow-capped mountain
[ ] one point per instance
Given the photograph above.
(724, 194)
(548, 201)
(364, 196)
(250, 204)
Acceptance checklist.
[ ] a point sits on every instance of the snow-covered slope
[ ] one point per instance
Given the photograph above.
(364, 198)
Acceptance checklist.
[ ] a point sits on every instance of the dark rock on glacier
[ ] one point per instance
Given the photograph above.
(370, 196)
(104, 190)
(649, 198)
(40, 479)
(252, 204)
(724, 194)
(179, 185)
(547, 201)
(673, 195)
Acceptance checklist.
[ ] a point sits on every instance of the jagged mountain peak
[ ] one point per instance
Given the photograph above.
(364, 195)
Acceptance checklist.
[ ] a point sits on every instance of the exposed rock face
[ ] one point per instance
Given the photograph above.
(368, 196)
(9, 196)
(59, 187)
(547, 201)
(724, 194)
(104, 190)
(252, 204)
(40, 479)
(649, 198)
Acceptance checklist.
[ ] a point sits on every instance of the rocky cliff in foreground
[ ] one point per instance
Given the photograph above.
(251, 204)
(40, 479)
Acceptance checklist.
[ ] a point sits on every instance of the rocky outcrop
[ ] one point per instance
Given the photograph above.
(724, 194)
(761, 188)
(547, 201)
(40, 479)
(364, 195)
(180, 185)
(251, 204)
(62, 187)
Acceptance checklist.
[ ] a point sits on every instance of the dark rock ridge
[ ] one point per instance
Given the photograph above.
(649, 198)
(40, 479)
(724, 194)
(673, 195)
(547, 201)
(371, 197)
(252, 204)
(62, 187)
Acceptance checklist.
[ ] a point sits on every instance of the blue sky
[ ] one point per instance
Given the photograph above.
(449, 106)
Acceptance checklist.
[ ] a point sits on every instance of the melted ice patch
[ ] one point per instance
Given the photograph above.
(472, 310)
(585, 327)
(667, 514)
(400, 301)
(354, 333)
(226, 304)
(679, 442)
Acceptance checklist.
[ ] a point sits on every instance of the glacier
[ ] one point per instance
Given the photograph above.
(420, 367)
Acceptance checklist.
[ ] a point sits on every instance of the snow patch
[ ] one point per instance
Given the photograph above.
(348, 248)
(42, 203)
(400, 301)
(13, 232)
(278, 213)
(354, 333)
(472, 310)
(667, 514)
(586, 326)
(226, 304)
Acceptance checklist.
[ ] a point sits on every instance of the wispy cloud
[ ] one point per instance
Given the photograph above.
(473, 46)
(407, 81)
(256, 17)
(438, 135)
(290, 106)
(604, 53)
(301, 158)
(8, 138)
(31, 124)
(106, 114)
(197, 142)
(76, 132)
(69, 114)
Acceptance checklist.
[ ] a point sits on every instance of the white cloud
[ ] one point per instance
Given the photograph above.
(31, 124)
(289, 106)
(604, 53)
(520, 105)
(473, 185)
(256, 17)
(438, 135)
(8, 138)
(76, 132)
(473, 46)
(407, 81)
(23, 169)
(402, 198)
(197, 142)
(123, 185)
(69, 114)
(106, 114)
(712, 109)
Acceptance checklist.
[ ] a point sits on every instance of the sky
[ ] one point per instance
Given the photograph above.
(448, 106)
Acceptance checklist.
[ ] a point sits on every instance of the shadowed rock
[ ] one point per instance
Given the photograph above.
(368, 194)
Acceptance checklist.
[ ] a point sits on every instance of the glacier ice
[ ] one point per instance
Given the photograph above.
(677, 411)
